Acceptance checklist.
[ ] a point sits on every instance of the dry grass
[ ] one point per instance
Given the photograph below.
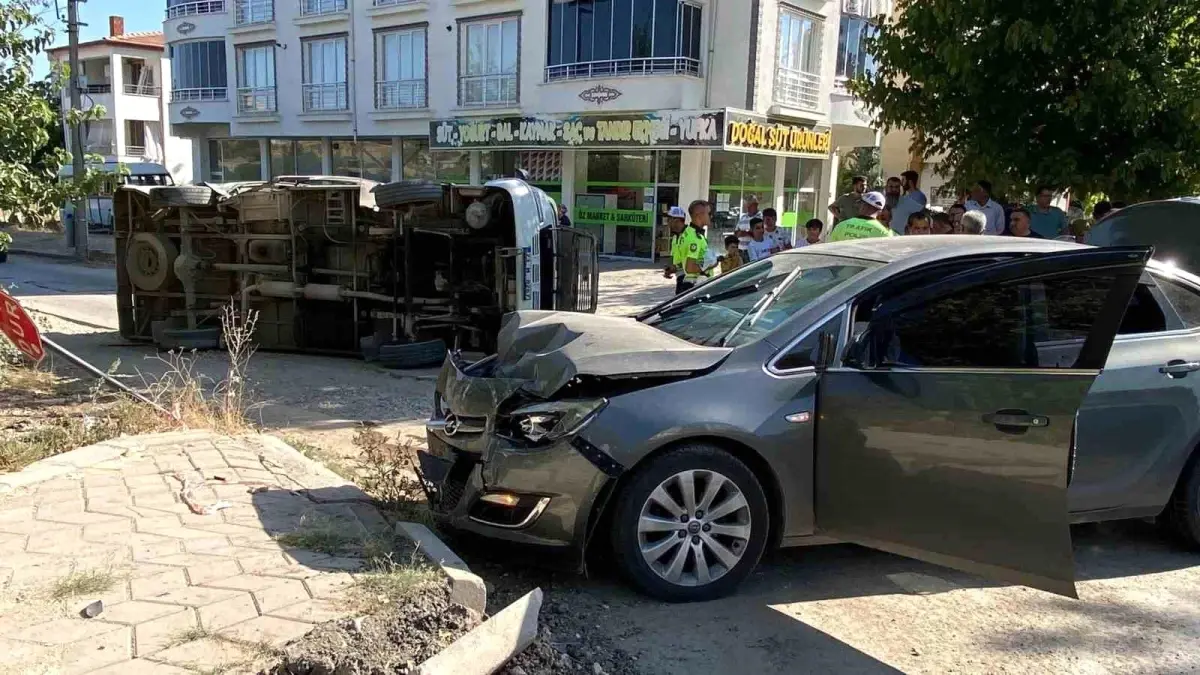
(322, 537)
(331, 461)
(393, 577)
(254, 655)
(43, 413)
(88, 582)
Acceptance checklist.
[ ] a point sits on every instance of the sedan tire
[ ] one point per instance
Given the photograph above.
(691, 524)
(1183, 512)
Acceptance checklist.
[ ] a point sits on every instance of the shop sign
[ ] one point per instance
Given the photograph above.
(755, 133)
(626, 217)
(671, 129)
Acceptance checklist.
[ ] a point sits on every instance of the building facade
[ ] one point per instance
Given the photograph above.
(125, 73)
(618, 108)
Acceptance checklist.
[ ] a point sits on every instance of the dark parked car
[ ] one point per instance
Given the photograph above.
(918, 395)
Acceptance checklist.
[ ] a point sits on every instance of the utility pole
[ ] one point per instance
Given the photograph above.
(78, 233)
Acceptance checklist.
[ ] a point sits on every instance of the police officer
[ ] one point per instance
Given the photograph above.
(693, 246)
(678, 267)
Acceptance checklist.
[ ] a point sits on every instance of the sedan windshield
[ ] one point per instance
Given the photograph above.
(741, 307)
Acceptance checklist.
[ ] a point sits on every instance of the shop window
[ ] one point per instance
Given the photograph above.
(543, 166)
(233, 160)
(452, 166)
(606, 38)
(295, 158)
(623, 197)
(365, 159)
(801, 180)
(735, 177)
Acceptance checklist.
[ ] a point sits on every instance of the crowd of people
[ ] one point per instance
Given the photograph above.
(901, 209)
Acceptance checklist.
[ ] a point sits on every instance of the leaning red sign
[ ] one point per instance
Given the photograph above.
(19, 328)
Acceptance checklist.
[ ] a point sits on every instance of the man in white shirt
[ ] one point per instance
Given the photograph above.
(913, 201)
(749, 210)
(981, 200)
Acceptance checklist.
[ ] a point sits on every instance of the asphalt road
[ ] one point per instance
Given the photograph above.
(838, 609)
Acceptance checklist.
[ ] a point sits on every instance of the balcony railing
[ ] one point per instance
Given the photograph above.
(253, 11)
(135, 150)
(98, 148)
(400, 94)
(319, 7)
(486, 90)
(142, 90)
(667, 65)
(391, 3)
(797, 89)
(194, 8)
(199, 94)
(255, 100)
(103, 88)
(320, 97)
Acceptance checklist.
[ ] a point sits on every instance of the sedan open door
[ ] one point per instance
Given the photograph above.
(945, 434)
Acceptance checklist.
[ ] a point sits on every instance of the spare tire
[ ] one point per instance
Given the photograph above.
(407, 192)
(412, 354)
(182, 195)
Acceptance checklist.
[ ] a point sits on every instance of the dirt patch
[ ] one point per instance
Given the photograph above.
(392, 641)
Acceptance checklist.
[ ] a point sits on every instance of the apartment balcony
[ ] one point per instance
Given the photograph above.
(321, 7)
(97, 88)
(797, 89)
(400, 94)
(253, 15)
(142, 90)
(256, 101)
(488, 90)
(205, 105)
(196, 9)
(668, 65)
(319, 98)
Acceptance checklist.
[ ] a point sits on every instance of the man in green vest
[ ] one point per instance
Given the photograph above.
(678, 266)
(687, 251)
(867, 224)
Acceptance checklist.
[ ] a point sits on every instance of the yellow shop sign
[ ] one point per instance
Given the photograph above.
(761, 134)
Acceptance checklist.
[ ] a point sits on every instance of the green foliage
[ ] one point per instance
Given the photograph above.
(30, 191)
(5, 241)
(864, 161)
(1099, 95)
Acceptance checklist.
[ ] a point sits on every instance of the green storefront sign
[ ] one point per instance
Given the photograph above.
(628, 218)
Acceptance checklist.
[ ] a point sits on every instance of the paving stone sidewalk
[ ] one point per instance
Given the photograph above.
(189, 591)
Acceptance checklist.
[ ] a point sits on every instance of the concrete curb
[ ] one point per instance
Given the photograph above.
(94, 257)
(487, 647)
(466, 588)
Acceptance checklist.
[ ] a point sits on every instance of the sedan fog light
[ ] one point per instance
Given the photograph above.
(501, 499)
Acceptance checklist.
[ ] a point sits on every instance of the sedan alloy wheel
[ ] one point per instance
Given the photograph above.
(694, 527)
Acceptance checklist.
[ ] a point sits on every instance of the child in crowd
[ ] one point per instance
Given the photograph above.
(812, 232)
(732, 258)
(759, 246)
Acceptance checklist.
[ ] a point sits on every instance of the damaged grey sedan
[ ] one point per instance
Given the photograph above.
(926, 396)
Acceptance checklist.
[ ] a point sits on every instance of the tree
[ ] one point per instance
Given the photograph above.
(30, 191)
(1100, 96)
(863, 161)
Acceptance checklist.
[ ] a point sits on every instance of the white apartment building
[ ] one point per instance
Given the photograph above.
(124, 73)
(618, 108)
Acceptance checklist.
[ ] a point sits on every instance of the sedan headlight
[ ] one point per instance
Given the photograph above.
(551, 421)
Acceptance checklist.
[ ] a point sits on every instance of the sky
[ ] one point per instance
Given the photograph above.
(140, 15)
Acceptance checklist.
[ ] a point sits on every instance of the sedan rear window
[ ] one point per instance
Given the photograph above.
(745, 305)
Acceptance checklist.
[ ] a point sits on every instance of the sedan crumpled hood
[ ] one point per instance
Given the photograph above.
(546, 350)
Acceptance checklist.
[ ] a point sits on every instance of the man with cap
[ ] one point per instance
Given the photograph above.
(688, 247)
(866, 225)
(743, 226)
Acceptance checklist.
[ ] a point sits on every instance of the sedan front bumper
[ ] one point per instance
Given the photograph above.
(556, 486)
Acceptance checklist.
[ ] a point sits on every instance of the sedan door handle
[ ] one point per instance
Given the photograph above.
(1016, 420)
(1179, 368)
